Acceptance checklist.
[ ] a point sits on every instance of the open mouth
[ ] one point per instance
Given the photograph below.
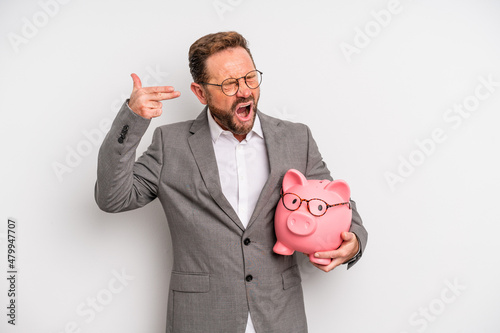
(244, 111)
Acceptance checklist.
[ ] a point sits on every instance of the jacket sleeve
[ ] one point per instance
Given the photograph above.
(122, 183)
(317, 169)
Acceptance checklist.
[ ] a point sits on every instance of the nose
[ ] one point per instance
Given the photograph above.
(243, 90)
(301, 224)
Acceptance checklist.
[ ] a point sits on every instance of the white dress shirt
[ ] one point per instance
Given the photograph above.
(243, 171)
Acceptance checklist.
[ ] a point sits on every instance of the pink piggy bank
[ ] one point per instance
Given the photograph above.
(311, 215)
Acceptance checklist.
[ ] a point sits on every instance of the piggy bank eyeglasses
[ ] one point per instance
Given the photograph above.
(317, 207)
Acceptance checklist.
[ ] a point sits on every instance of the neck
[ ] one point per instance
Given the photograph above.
(240, 137)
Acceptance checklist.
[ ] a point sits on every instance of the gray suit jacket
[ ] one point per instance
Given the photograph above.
(221, 270)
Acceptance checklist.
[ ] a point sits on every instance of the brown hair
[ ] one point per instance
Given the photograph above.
(211, 44)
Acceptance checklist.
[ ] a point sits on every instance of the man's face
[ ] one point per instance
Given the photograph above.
(234, 113)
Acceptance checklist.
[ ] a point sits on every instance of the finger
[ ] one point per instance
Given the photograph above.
(154, 105)
(137, 82)
(322, 255)
(327, 254)
(348, 236)
(162, 96)
(156, 112)
(329, 267)
(153, 113)
(349, 240)
(158, 89)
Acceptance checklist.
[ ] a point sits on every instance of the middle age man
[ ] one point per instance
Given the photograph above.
(218, 178)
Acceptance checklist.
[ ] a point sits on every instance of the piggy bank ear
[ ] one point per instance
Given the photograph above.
(293, 177)
(341, 188)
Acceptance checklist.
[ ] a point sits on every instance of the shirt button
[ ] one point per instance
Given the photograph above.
(247, 241)
(249, 278)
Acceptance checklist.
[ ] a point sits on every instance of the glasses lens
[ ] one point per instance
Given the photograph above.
(291, 201)
(253, 79)
(230, 86)
(317, 207)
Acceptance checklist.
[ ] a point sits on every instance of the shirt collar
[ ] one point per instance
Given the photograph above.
(216, 130)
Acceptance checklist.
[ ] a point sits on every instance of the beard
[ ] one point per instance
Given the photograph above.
(228, 120)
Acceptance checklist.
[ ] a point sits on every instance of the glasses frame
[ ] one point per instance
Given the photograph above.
(282, 197)
(237, 82)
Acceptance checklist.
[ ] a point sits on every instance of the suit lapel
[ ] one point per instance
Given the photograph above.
(278, 158)
(203, 151)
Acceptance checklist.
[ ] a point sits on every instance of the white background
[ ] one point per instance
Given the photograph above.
(431, 264)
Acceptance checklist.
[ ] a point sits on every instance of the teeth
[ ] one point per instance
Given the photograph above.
(243, 110)
(243, 107)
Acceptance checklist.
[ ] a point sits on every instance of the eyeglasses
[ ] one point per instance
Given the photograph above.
(316, 207)
(230, 86)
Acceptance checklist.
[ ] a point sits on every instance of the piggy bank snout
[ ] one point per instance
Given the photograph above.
(301, 224)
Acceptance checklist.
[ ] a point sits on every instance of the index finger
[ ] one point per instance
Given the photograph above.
(158, 89)
(327, 254)
(159, 96)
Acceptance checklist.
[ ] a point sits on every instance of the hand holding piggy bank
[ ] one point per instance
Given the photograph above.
(311, 215)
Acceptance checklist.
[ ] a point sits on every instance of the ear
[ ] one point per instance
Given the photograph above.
(293, 177)
(199, 91)
(340, 187)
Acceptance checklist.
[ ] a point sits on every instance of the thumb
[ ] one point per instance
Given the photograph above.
(347, 236)
(137, 82)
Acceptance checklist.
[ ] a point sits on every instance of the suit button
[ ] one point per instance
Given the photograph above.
(120, 139)
(249, 278)
(247, 241)
(125, 129)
